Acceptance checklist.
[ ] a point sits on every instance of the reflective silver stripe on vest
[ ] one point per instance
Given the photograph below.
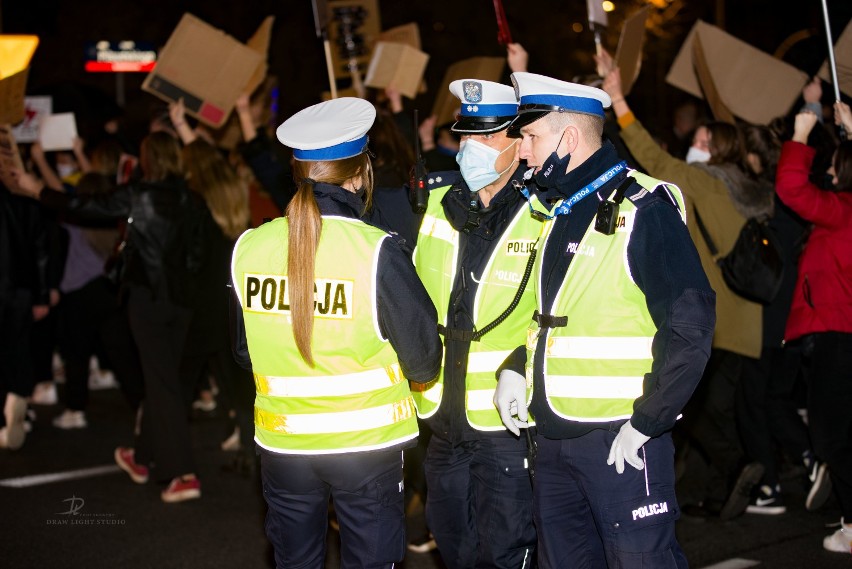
(482, 362)
(331, 386)
(481, 399)
(433, 394)
(594, 387)
(600, 348)
(328, 423)
(438, 228)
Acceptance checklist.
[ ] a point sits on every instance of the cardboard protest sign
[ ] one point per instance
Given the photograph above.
(486, 68)
(259, 42)
(229, 135)
(843, 61)
(57, 132)
(628, 55)
(15, 55)
(755, 86)
(360, 20)
(408, 34)
(205, 67)
(396, 65)
(10, 158)
(35, 108)
(708, 86)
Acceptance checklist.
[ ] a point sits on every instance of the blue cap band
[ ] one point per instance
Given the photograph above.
(567, 103)
(336, 152)
(479, 110)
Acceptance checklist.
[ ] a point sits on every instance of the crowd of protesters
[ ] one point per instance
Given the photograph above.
(130, 264)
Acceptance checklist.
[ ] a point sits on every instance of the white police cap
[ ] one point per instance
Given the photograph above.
(331, 130)
(539, 95)
(485, 106)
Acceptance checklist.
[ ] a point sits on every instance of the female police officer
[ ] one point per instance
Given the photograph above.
(336, 321)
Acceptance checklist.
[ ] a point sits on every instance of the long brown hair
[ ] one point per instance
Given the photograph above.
(843, 166)
(726, 144)
(226, 194)
(159, 157)
(305, 226)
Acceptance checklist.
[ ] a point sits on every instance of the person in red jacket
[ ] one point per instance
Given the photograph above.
(821, 313)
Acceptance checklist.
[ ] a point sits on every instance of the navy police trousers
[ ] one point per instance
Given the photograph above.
(479, 502)
(367, 491)
(589, 516)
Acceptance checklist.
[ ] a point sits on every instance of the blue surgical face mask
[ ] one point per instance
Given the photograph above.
(552, 168)
(477, 163)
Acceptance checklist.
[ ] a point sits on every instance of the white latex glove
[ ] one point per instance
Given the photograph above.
(626, 447)
(510, 398)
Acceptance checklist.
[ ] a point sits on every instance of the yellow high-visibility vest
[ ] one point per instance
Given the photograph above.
(595, 365)
(356, 398)
(435, 259)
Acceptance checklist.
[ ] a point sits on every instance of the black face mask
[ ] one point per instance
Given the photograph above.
(552, 168)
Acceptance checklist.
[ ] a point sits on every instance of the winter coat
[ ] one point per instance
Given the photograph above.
(822, 300)
(724, 197)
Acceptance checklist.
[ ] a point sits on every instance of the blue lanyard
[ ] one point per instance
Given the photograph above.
(564, 207)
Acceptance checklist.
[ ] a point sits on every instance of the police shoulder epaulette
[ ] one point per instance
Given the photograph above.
(442, 179)
(638, 195)
(642, 197)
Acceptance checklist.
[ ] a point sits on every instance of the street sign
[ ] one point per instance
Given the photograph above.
(120, 57)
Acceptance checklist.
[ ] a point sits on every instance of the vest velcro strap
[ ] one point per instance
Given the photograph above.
(549, 320)
(456, 334)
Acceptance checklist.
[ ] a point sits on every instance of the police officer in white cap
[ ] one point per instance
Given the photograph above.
(473, 248)
(618, 342)
(335, 322)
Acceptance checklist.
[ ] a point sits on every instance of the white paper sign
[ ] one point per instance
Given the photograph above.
(58, 132)
(35, 108)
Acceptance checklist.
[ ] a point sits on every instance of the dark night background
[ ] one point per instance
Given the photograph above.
(450, 31)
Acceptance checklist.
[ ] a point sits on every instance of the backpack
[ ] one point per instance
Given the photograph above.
(754, 268)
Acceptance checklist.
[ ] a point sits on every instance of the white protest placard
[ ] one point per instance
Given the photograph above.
(35, 108)
(58, 132)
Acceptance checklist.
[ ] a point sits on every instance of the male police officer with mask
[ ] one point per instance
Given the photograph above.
(622, 331)
(473, 249)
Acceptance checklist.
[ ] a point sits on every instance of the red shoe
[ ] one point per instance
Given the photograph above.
(125, 460)
(180, 490)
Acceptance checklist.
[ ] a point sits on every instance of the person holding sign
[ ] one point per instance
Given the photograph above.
(821, 313)
(335, 323)
(618, 341)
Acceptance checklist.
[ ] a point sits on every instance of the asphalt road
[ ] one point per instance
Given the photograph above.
(92, 516)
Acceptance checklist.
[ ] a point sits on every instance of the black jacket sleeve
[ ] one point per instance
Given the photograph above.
(407, 317)
(271, 170)
(516, 361)
(113, 205)
(665, 265)
(237, 329)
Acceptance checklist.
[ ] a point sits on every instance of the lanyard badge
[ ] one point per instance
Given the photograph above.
(564, 206)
